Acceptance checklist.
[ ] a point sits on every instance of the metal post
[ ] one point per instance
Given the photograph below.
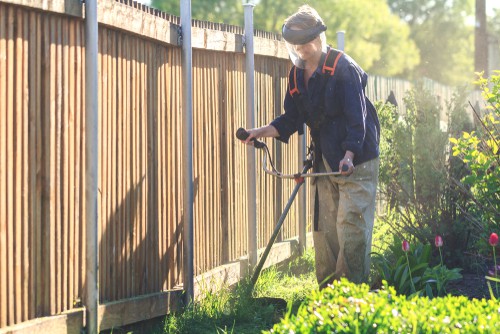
(187, 141)
(91, 165)
(302, 200)
(341, 40)
(481, 39)
(251, 176)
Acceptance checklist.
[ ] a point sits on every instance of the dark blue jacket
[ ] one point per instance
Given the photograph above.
(352, 120)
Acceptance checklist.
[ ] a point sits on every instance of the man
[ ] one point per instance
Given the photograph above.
(326, 91)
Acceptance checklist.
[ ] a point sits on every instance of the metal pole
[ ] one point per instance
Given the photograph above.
(91, 164)
(302, 200)
(251, 176)
(481, 39)
(258, 268)
(341, 40)
(187, 140)
(299, 182)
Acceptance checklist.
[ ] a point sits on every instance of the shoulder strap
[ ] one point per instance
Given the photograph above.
(331, 60)
(329, 66)
(293, 81)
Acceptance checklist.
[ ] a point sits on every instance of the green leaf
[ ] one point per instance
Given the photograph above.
(428, 291)
(494, 279)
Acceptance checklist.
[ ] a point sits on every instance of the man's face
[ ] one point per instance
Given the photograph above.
(309, 50)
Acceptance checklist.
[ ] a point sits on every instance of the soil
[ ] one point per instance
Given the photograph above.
(471, 285)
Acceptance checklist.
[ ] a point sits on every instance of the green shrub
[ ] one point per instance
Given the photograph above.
(413, 164)
(479, 151)
(345, 307)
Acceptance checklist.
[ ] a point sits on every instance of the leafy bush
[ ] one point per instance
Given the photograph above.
(345, 307)
(479, 151)
(413, 156)
(411, 273)
(427, 189)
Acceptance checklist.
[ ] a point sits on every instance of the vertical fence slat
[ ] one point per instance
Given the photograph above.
(198, 183)
(38, 173)
(25, 170)
(170, 183)
(116, 98)
(33, 129)
(102, 194)
(18, 168)
(78, 236)
(58, 163)
(178, 176)
(143, 242)
(111, 218)
(10, 168)
(3, 168)
(160, 128)
(65, 128)
(71, 165)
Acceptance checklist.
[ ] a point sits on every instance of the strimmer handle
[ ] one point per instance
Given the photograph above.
(242, 134)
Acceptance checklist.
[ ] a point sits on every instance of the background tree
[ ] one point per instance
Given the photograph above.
(443, 35)
(377, 39)
(218, 11)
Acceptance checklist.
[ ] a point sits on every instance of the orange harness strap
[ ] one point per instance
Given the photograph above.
(328, 67)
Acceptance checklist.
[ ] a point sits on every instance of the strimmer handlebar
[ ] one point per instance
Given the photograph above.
(242, 134)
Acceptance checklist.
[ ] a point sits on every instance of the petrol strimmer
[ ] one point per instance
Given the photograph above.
(242, 134)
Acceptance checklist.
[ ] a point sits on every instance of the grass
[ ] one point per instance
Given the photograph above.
(239, 310)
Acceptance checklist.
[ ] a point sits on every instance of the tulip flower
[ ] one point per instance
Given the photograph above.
(493, 239)
(406, 247)
(492, 271)
(493, 242)
(438, 241)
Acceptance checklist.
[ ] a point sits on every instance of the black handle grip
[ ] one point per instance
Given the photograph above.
(242, 134)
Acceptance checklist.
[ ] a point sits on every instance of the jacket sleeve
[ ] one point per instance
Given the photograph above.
(354, 108)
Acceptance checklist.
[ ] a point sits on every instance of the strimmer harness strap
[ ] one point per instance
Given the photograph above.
(314, 116)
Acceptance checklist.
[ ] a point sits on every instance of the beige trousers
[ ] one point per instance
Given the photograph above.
(343, 223)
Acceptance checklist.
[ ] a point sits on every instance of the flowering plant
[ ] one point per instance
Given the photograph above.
(438, 241)
(493, 240)
(406, 268)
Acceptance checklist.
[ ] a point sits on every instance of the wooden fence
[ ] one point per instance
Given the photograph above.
(42, 202)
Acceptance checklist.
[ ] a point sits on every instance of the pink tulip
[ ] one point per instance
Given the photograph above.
(406, 246)
(493, 271)
(493, 242)
(493, 239)
(438, 241)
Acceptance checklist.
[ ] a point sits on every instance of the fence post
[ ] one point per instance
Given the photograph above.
(302, 199)
(91, 165)
(187, 141)
(341, 40)
(251, 176)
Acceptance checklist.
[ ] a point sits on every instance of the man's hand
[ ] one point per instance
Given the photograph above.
(347, 161)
